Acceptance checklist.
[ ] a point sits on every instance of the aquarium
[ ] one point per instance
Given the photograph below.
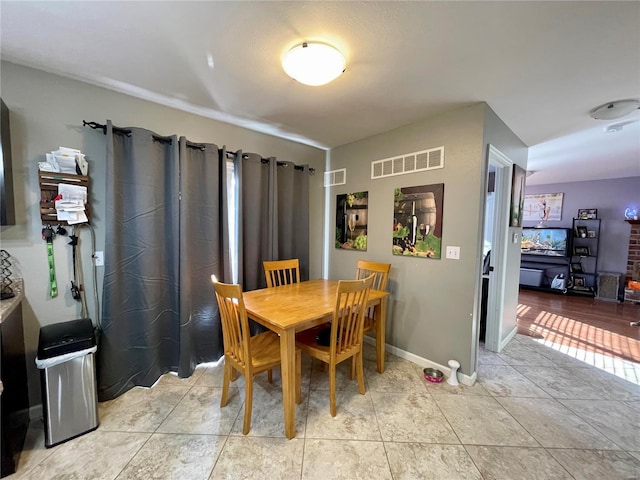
(545, 241)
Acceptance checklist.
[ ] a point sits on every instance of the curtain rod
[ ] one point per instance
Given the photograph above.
(127, 132)
(124, 131)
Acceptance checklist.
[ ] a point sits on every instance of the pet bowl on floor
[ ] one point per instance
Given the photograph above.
(433, 375)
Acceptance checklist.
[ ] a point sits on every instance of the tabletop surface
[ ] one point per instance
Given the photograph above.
(293, 305)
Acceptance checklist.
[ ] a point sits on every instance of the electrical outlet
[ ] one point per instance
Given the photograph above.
(453, 252)
(98, 259)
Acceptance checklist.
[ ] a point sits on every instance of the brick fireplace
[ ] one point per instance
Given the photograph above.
(633, 260)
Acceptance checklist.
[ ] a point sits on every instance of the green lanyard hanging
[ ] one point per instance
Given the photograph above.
(47, 234)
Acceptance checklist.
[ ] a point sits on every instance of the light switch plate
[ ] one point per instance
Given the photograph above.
(98, 259)
(453, 253)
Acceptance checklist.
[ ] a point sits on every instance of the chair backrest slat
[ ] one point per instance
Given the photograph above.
(364, 268)
(348, 316)
(235, 324)
(281, 272)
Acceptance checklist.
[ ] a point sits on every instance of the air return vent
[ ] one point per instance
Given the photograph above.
(335, 177)
(408, 163)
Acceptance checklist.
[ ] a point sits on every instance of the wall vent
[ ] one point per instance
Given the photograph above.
(335, 177)
(408, 163)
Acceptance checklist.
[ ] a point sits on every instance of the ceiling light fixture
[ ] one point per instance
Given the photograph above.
(313, 63)
(614, 110)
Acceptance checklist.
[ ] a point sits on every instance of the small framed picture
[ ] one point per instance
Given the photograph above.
(587, 213)
(577, 268)
(581, 231)
(591, 234)
(581, 251)
(578, 281)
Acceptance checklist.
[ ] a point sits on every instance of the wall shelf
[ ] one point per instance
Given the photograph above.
(49, 182)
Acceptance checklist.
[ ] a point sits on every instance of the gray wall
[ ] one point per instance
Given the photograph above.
(611, 197)
(432, 301)
(47, 112)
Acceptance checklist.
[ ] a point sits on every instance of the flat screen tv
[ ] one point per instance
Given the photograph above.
(545, 241)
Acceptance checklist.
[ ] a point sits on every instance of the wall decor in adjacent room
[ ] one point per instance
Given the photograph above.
(517, 196)
(543, 207)
(351, 221)
(587, 213)
(417, 221)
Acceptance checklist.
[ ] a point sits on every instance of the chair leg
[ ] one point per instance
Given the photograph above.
(352, 374)
(248, 404)
(298, 376)
(358, 358)
(332, 389)
(270, 376)
(228, 370)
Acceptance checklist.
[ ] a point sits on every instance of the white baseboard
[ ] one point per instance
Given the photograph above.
(508, 338)
(425, 362)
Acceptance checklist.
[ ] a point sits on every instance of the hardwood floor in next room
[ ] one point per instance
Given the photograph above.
(588, 329)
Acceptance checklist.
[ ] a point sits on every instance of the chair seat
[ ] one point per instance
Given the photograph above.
(307, 342)
(265, 350)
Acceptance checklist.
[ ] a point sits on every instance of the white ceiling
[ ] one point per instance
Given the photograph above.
(541, 66)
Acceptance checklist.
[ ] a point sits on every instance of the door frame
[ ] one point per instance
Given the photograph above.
(499, 241)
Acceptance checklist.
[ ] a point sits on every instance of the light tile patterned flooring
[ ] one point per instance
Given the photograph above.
(533, 414)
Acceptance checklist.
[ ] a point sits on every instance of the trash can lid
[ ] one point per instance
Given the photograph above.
(65, 337)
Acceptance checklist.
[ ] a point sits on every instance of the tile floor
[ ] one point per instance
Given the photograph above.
(532, 415)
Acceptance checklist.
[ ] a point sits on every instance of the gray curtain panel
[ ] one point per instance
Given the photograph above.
(155, 303)
(293, 215)
(274, 216)
(258, 219)
(202, 227)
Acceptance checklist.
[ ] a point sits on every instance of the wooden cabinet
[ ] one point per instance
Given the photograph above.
(14, 401)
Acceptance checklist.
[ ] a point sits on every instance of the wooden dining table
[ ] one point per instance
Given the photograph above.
(292, 308)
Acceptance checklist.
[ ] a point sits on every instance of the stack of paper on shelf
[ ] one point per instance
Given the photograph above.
(70, 203)
(65, 160)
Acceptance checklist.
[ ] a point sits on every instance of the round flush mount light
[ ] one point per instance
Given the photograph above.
(313, 63)
(614, 110)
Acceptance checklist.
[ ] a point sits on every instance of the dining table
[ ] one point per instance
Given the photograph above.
(288, 309)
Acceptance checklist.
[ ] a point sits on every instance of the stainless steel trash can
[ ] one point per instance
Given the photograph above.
(66, 359)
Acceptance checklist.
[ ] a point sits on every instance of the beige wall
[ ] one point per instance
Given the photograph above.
(47, 112)
(431, 310)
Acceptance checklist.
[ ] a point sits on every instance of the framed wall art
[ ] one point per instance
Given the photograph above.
(587, 213)
(351, 221)
(417, 221)
(517, 196)
(545, 207)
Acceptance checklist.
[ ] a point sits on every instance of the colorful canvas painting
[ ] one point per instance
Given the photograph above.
(351, 221)
(417, 221)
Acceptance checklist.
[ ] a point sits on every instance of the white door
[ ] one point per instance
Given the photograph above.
(496, 222)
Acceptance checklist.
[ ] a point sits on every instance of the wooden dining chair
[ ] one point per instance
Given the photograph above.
(364, 268)
(281, 272)
(243, 353)
(346, 333)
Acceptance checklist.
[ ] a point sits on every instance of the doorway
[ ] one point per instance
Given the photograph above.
(496, 230)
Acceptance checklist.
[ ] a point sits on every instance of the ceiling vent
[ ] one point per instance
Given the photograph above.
(408, 163)
(335, 177)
